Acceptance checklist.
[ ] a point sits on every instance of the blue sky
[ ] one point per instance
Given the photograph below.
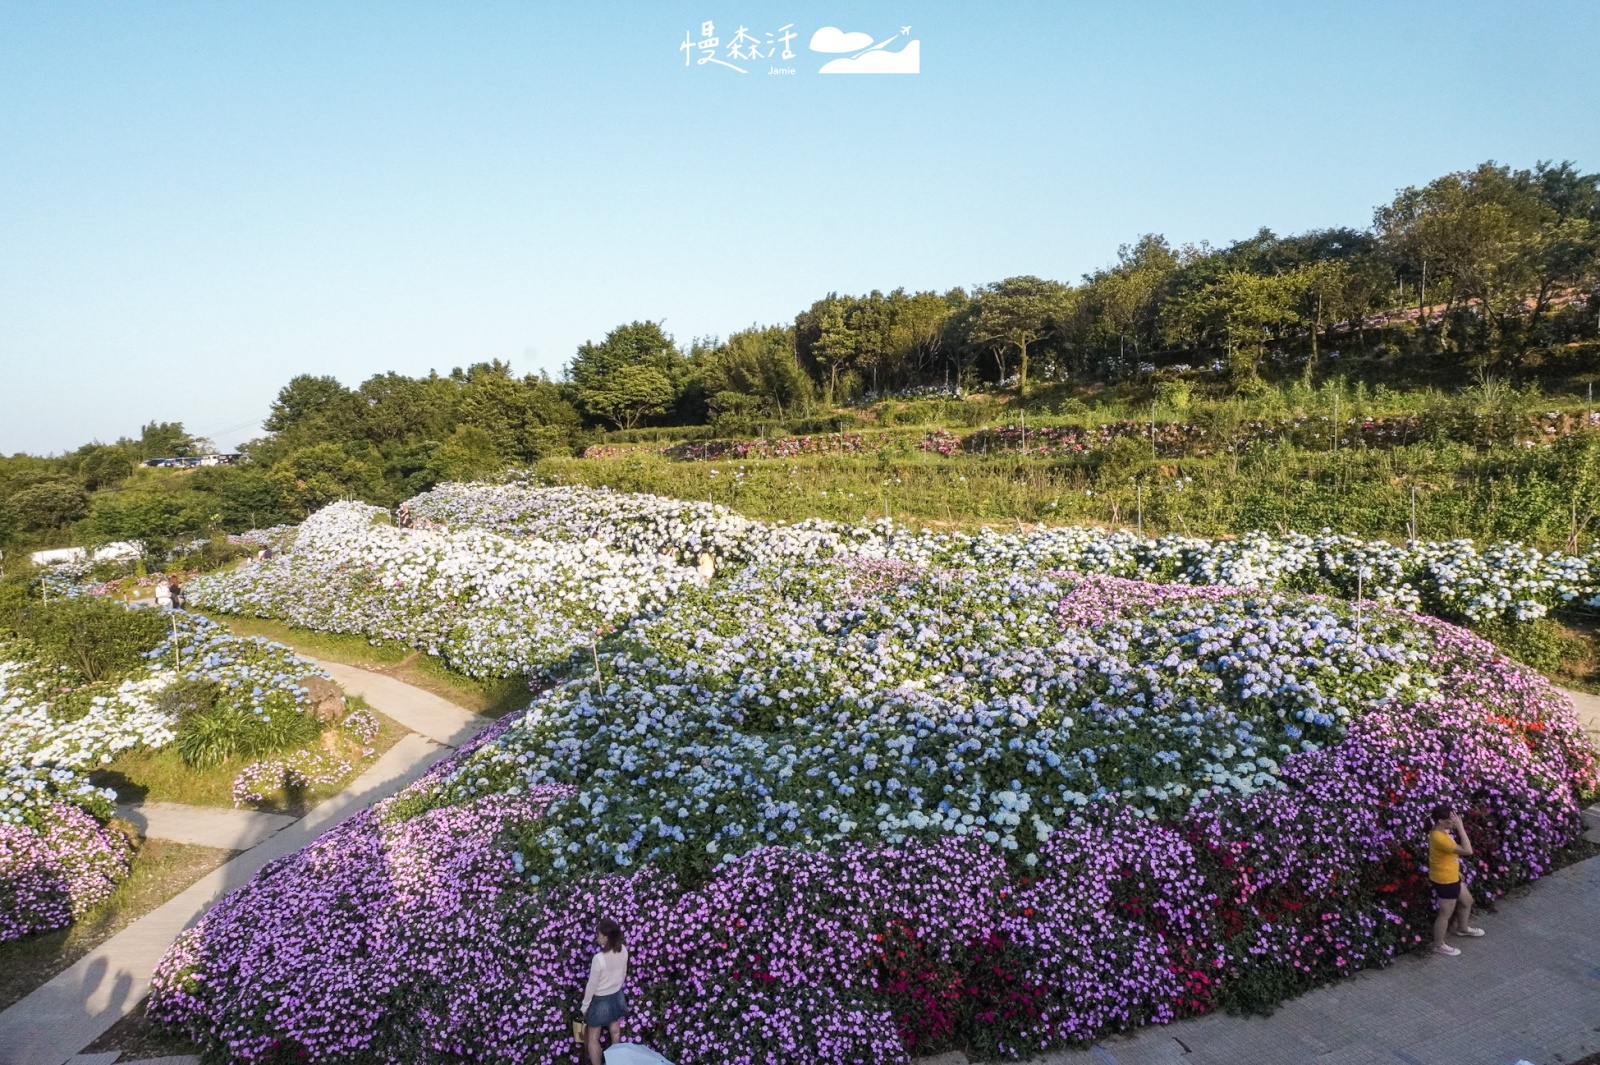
(198, 201)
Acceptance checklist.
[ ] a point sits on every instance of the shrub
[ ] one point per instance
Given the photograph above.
(53, 873)
(230, 730)
(98, 640)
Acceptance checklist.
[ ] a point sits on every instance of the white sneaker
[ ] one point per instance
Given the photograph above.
(1469, 931)
(1447, 950)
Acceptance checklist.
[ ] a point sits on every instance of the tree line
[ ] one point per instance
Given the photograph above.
(1483, 271)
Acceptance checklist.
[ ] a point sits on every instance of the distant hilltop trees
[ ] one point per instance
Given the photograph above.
(1481, 275)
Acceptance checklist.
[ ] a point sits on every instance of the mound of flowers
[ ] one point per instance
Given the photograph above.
(489, 604)
(56, 869)
(1454, 580)
(58, 858)
(859, 810)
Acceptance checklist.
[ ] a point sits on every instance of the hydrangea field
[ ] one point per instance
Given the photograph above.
(871, 794)
(57, 857)
(489, 604)
(526, 576)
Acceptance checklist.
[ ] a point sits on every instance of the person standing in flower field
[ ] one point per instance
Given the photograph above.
(604, 1004)
(1447, 842)
(163, 594)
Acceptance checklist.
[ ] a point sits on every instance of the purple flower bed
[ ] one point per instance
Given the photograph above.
(410, 934)
(51, 874)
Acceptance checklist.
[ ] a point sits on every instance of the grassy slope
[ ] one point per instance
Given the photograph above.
(1278, 489)
(492, 698)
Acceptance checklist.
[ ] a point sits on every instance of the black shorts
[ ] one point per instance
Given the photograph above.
(1446, 891)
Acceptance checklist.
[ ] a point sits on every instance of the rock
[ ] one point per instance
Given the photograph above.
(327, 700)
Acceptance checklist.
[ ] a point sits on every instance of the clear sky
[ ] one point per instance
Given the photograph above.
(199, 200)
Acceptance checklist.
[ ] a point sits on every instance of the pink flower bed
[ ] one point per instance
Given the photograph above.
(51, 874)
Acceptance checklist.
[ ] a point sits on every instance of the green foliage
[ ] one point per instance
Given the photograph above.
(101, 466)
(166, 440)
(468, 454)
(212, 735)
(314, 476)
(154, 517)
(48, 504)
(1541, 644)
(96, 639)
(188, 698)
(753, 374)
(214, 554)
(1010, 315)
(630, 375)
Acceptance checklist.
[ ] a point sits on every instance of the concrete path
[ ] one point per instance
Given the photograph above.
(1588, 708)
(422, 712)
(208, 826)
(1529, 990)
(53, 1023)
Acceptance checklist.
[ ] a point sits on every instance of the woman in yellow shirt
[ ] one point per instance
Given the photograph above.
(1447, 842)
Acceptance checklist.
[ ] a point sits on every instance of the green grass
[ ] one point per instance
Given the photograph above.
(144, 775)
(160, 870)
(1543, 497)
(492, 698)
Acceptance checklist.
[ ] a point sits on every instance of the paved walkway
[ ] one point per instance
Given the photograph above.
(53, 1023)
(1588, 708)
(422, 712)
(208, 826)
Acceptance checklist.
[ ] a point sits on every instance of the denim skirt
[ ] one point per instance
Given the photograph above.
(603, 1009)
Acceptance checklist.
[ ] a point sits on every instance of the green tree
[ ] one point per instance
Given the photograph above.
(314, 476)
(1014, 313)
(104, 466)
(166, 440)
(526, 419)
(48, 505)
(151, 517)
(241, 497)
(468, 454)
(631, 375)
(754, 372)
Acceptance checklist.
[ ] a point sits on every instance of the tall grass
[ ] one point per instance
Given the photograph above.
(1546, 497)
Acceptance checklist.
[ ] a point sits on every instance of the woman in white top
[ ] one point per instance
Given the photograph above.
(604, 1004)
(163, 594)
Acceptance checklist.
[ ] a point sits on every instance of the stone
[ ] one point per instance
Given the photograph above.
(327, 699)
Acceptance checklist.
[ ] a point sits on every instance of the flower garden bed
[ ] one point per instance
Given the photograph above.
(58, 857)
(853, 809)
(1452, 579)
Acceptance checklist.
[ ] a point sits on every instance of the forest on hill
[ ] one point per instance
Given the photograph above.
(1486, 279)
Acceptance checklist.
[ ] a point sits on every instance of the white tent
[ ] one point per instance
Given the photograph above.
(58, 556)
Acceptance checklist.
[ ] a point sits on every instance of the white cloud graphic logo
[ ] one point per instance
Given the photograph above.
(907, 60)
(833, 39)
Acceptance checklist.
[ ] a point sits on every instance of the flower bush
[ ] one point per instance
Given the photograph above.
(1454, 580)
(858, 809)
(54, 871)
(262, 780)
(57, 858)
(488, 604)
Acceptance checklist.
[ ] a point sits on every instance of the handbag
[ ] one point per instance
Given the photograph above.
(579, 1032)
